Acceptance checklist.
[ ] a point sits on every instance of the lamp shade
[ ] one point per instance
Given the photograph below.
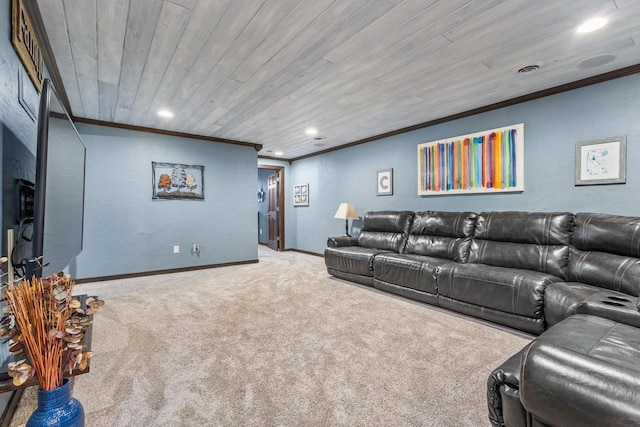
(346, 211)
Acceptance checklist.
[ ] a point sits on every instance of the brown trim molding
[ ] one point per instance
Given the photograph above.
(611, 75)
(258, 147)
(280, 159)
(167, 271)
(305, 252)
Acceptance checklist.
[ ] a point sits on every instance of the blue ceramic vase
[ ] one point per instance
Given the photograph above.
(57, 408)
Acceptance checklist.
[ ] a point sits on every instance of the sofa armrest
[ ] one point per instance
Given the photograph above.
(336, 242)
(504, 382)
(563, 387)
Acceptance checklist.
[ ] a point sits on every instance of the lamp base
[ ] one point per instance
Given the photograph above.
(346, 228)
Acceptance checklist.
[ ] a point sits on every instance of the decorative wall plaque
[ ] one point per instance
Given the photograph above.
(25, 43)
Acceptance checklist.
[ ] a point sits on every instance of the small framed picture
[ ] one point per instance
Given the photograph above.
(384, 182)
(601, 161)
(301, 195)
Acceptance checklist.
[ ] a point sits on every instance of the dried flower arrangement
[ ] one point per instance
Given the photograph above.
(44, 321)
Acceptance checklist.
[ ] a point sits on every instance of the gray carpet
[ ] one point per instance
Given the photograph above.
(280, 343)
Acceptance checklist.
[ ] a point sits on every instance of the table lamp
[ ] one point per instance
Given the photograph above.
(346, 211)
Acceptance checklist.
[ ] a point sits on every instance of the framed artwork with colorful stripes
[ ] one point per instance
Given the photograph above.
(490, 161)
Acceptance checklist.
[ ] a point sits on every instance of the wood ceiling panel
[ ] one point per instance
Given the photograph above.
(81, 24)
(141, 25)
(299, 18)
(262, 71)
(257, 29)
(371, 37)
(111, 28)
(263, 80)
(337, 32)
(235, 18)
(195, 37)
(56, 27)
(172, 23)
(112, 25)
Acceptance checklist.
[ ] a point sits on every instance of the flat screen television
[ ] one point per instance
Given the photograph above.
(59, 187)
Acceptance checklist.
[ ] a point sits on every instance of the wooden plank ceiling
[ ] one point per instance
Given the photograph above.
(262, 71)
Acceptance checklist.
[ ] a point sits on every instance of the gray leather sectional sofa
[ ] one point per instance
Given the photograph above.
(573, 278)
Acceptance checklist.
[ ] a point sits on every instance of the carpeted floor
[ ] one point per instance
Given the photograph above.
(280, 343)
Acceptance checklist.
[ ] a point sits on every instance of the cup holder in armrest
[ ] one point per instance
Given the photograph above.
(615, 304)
(618, 299)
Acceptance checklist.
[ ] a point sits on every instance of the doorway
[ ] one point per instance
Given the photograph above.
(271, 206)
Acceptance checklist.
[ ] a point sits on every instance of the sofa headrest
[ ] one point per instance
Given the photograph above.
(387, 221)
(385, 230)
(536, 241)
(614, 234)
(541, 228)
(440, 234)
(444, 224)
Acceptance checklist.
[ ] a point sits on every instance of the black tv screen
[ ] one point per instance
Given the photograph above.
(59, 187)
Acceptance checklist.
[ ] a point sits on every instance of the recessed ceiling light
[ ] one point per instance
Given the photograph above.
(311, 131)
(592, 25)
(165, 113)
(278, 153)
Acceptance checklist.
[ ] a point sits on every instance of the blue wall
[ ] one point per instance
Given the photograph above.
(128, 232)
(553, 125)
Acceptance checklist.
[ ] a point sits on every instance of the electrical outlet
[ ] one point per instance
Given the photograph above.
(176, 249)
(261, 231)
(196, 248)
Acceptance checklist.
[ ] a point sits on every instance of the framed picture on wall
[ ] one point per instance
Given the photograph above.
(176, 181)
(601, 161)
(384, 182)
(301, 195)
(489, 161)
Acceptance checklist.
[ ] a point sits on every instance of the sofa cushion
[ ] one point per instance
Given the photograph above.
(509, 290)
(386, 230)
(580, 335)
(441, 234)
(587, 376)
(606, 252)
(351, 259)
(525, 240)
(408, 270)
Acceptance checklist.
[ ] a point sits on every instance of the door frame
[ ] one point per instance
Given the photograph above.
(281, 188)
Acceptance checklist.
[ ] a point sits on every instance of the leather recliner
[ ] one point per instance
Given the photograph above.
(352, 258)
(435, 239)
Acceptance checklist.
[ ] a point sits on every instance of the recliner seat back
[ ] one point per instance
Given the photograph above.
(606, 252)
(536, 241)
(440, 234)
(386, 230)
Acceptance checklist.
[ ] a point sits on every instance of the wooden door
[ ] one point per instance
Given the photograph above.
(274, 210)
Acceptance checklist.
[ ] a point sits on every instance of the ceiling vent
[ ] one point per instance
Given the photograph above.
(320, 138)
(529, 68)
